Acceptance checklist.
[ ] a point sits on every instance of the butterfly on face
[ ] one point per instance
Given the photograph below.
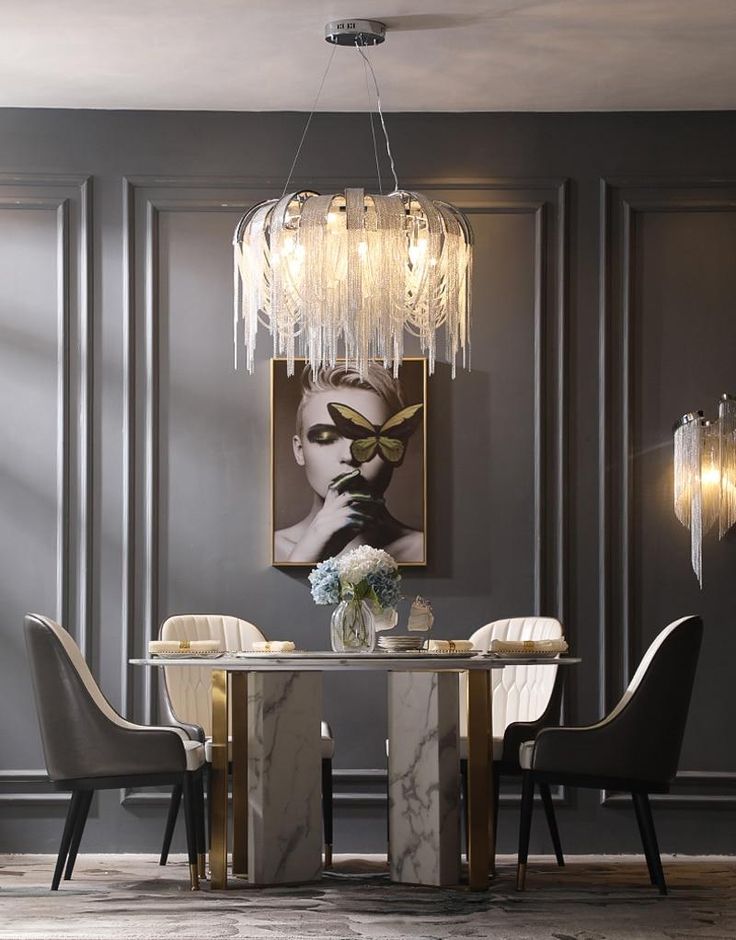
(388, 440)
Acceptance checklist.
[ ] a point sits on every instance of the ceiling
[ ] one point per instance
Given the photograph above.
(442, 55)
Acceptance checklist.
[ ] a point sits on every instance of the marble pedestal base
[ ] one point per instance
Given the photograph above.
(424, 778)
(284, 777)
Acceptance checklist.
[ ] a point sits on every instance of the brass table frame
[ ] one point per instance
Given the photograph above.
(481, 835)
(222, 691)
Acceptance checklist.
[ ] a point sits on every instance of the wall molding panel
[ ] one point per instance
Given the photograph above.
(69, 198)
(623, 203)
(136, 470)
(145, 199)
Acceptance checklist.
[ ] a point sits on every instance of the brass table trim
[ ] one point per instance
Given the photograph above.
(218, 782)
(480, 780)
(481, 830)
(239, 719)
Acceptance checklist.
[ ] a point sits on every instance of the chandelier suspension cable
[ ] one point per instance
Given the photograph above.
(373, 129)
(309, 121)
(380, 114)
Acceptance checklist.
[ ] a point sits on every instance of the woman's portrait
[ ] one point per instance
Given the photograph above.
(348, 462)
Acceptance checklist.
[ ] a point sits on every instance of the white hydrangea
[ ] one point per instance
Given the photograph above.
(357, 564)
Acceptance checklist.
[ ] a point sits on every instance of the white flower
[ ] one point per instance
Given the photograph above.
(357, 564)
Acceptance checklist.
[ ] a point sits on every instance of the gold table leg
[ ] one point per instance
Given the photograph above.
(239, 692)
(218, 784)
(480, 779)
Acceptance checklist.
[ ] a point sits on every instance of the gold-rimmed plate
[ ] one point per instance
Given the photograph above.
(188, 654)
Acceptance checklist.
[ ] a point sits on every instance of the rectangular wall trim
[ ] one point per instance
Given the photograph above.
(621, 200)
(146, 198)
(70, 199)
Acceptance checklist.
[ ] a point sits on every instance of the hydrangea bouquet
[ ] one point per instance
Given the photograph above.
(364, 583)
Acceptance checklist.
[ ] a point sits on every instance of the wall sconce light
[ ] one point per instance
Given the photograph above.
(705, 475)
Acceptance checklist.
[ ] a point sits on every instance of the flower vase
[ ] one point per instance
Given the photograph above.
(353, 627)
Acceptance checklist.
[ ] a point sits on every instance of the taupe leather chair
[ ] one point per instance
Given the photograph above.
(185, 701)
(88, 746)
(636, 748)
(525, 700)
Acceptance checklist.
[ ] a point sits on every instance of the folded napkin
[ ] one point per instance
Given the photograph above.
(449, 646)
(273, 646)
(182, 646)
(529, 646)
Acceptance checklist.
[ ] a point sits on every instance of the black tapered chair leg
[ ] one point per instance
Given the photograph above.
(190, 817)
(496, 796)
(66, 838)
(649, 840)
(388, 818)
(84, 804)
(327, 808)
(643, 833)
(464, 788)
(201, 834)
(525, 826)
(208, 787)
(170, 823)
(549, 812)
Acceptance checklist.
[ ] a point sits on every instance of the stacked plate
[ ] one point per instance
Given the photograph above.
(400, 644)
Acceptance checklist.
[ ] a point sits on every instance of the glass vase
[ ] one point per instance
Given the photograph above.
(353, 627)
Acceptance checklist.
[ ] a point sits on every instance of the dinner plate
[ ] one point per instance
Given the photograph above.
(355, 654)
(239, 654)
(423, 654)
(526, 654)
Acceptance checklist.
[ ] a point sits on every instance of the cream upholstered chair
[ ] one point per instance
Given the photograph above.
(635, 748)
(88, 746)
(185, 701)
(526, 699)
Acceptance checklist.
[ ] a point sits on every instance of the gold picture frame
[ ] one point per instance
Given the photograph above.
(295, 486)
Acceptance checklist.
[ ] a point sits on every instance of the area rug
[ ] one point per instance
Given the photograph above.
(129, 897)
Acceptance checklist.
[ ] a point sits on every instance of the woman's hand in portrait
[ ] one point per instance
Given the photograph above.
(346, 511)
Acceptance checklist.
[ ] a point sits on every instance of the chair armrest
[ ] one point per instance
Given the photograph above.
(612, 748)
(516, 734)
(519, 731)
(170, 718)
(95, 745)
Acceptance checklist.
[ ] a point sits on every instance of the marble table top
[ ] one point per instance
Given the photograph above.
(331, 662)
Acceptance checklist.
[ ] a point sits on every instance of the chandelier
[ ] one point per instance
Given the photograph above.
(705, 475)
(347, 275)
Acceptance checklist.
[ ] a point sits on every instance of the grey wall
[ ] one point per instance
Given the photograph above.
(134, 464)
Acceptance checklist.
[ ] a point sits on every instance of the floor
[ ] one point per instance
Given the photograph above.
(593, 898)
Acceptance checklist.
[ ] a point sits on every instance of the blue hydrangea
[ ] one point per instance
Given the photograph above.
(325, 582)
(385, 584)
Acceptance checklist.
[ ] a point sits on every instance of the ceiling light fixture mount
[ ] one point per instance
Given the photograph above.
(355, 32)
(346, 276)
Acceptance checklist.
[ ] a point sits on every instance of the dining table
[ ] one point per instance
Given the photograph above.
(266, 715)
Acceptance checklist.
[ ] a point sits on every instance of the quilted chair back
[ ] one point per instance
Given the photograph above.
(189, 688)
(520, 693)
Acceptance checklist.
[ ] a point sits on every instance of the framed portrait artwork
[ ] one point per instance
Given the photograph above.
(348, 462)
